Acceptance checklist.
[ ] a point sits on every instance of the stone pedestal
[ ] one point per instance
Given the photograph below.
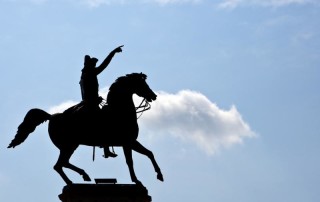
(104, 193)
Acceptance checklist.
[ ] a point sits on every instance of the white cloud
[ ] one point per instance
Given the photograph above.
(231, 4)
(192, 117)
(65, 105)
(61, 107)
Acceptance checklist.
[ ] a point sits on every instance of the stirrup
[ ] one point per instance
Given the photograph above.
(110, 154)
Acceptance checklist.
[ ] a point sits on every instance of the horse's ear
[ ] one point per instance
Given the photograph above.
(143, 76)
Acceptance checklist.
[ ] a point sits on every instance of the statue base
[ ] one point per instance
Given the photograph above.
(104, 193)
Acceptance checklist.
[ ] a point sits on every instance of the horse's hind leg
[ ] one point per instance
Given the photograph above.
(63, 158)
(63, 161)
(81, 172)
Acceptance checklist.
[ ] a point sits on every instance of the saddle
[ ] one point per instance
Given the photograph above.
(75, 109)
(84, 109)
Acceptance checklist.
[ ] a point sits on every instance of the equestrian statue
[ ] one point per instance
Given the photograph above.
(112, 125)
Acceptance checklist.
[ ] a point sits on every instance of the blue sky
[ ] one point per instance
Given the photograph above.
(238, 85)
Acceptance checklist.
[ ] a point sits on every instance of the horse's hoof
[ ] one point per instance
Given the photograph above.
(160, 177)
(86, 178)
(138, 183)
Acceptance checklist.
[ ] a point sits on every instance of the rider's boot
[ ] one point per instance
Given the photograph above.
(108, 153)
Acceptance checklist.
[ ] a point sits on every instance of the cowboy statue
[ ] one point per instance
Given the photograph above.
(90, 86)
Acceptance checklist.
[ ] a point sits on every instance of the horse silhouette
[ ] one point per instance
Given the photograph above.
(114, 125)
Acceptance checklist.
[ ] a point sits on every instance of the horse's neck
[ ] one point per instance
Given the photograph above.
(120, 101)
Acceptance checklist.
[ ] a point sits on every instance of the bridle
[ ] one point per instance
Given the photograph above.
(144, 106)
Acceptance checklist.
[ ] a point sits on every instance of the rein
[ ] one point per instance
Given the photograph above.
(144, 106)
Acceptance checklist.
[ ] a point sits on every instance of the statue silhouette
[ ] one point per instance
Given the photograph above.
(90, 87)
(114, 125)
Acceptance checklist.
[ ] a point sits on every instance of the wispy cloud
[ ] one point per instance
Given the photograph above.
(231, 4)
(228, 4)
(224, 4)
(190, 116)
(97, 3)
(303, 36)
(31, 1)
(164, 2)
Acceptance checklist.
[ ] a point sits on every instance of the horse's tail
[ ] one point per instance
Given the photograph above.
(33, 118)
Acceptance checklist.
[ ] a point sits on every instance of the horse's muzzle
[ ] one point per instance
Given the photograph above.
(152, 98)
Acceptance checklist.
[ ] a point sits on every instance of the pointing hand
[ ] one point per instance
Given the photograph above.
(118, 49)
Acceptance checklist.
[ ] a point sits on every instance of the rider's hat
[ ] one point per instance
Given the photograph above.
(89, 61)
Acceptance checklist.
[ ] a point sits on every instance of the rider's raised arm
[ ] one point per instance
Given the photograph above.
(108, 59)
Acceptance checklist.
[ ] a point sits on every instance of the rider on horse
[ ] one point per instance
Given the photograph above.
(90, 86)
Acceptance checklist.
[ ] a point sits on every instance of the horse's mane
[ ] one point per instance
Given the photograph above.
(127, 78)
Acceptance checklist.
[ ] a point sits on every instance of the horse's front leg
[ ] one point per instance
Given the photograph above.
(142, 150)
(128, 155)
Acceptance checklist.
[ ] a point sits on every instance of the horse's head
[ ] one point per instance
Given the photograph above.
(140, 86)
(128, 85)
